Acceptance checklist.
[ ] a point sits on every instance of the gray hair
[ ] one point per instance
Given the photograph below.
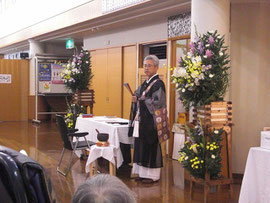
(103, 188)
(154, 58)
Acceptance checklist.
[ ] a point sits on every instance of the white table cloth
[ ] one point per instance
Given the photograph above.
(109, 153)
(256, 181)
(179, 141)
(117, 132)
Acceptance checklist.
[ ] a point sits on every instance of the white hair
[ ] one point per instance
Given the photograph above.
(154, 58)
(103, 188)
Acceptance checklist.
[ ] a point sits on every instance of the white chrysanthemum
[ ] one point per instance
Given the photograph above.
(196, 59)
(205, 56)
(190, 54)
(213, 156)
(216, 131)
(211, 31)
(74, 70)
(207, 45)
(183, 90)
(211, 75)
(220, 53)
(219, 37)
(201, 76)
(196, 81)
(186, 158)
(180, 72)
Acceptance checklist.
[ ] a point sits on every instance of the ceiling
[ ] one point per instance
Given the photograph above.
(143, 12)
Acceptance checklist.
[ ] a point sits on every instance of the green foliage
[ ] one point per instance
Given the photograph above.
(77, 74)
(202, 76)
(202, 152)
(74, 110)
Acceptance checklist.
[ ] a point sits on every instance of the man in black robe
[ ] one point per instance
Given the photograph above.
(147, 160)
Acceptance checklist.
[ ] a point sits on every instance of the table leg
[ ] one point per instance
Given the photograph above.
(96, 166)
(111, 168)
(91, 169)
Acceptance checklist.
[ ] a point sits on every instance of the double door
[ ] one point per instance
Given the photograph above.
(111, 68)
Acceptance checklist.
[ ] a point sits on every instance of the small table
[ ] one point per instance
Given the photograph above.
(117, 133)
(179, 140)
(256, 182)
(109, 153)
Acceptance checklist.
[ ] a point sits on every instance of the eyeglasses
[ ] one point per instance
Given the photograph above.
(147, 65)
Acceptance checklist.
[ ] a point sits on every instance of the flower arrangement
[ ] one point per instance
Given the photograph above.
(202, 75)
(202, 152)
(74, 110)
(77, 74)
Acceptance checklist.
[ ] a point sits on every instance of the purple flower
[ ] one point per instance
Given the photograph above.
(191, 45)
(179, 60)
(81, 54)
(208, 53)
(197, 39)
(201, 48)
(79, 61)
(74, 60)
(211, 40)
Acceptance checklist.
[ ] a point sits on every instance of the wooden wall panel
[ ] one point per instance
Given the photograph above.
(129, 75)
(114, 78)
(99, 67)
(14, 96)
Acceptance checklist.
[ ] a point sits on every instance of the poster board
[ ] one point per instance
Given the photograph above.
(49, 78)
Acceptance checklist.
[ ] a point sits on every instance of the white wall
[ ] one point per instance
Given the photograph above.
(145, 31)
(250, 61)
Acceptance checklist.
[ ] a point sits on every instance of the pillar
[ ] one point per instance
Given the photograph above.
(35, 47)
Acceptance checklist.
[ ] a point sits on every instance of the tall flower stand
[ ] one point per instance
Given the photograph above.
(85, 98)
(216, 115)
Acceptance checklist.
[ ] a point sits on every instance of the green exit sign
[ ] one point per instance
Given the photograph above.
(70, 44)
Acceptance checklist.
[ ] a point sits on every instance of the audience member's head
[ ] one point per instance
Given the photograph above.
(103, 188)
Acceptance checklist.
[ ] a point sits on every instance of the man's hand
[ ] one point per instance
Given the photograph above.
(134, 99)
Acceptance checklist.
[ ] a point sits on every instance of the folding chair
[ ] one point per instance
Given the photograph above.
(67, 136)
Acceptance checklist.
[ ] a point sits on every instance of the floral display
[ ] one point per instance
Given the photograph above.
(202, 152)
(202, 76)
(77, 73)
(74, 110)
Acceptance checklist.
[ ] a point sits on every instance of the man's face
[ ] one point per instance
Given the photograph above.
(149, 68)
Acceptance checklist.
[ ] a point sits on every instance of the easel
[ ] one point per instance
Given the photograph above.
(215, 116)
(85, 98)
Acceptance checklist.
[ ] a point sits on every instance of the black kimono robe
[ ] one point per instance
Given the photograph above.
(147, 150)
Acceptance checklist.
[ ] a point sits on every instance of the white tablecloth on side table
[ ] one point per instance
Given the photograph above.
(117, 132)
(179, 141)
(256, 181)
(109, 153)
